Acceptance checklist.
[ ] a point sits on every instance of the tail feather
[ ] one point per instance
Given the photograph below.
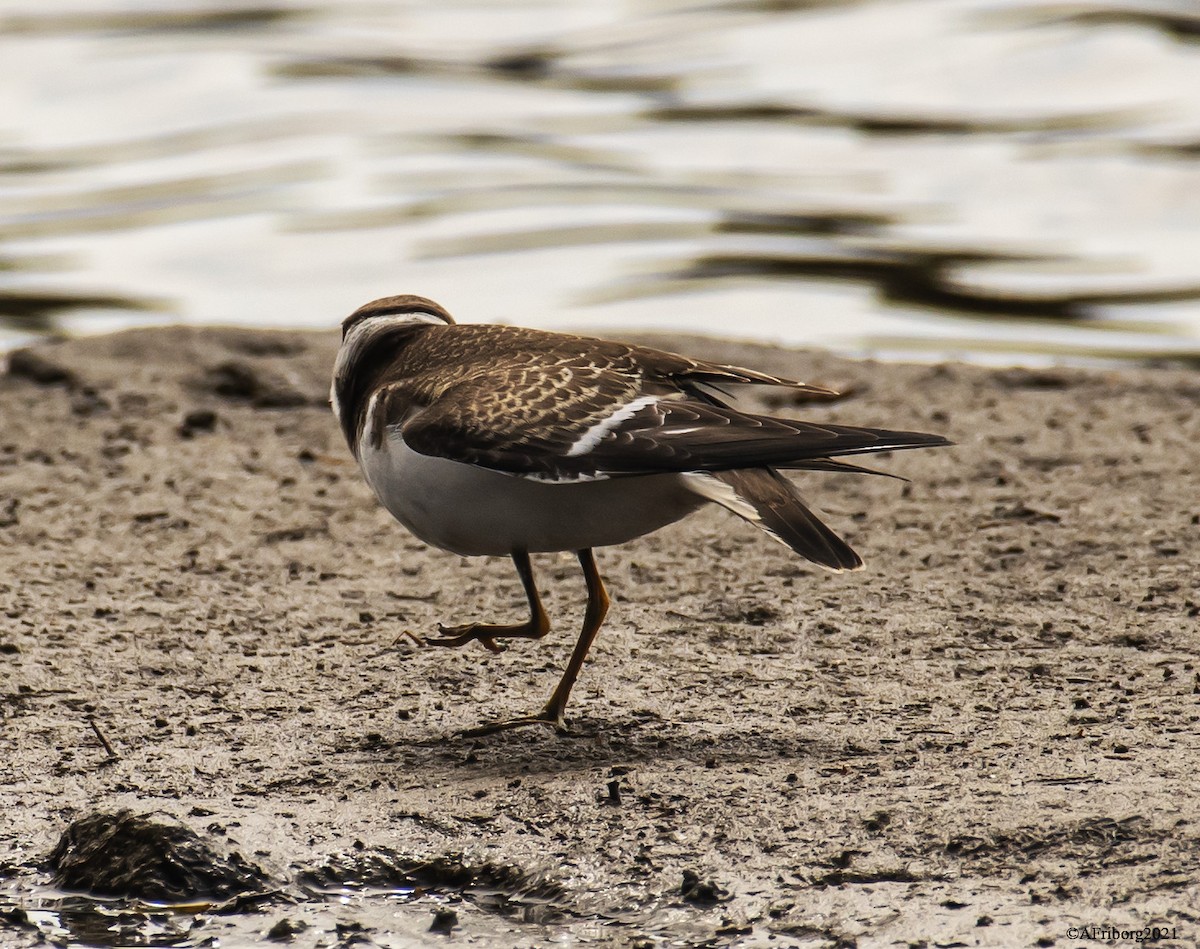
(767, 500)
(832, 464)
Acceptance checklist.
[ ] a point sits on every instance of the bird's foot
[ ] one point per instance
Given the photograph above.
(488, 633)
(469, 632)
(547, 717)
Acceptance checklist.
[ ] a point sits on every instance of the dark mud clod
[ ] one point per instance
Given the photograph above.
(197, 421)
(128, 854)
(39, 369)
(1020, 378)
(700, 892)
(444, 920)
(842, 860)
(261, 387)
(351, 934)
(17, 918)
(286, 930)
(263, 344)
(88, 401)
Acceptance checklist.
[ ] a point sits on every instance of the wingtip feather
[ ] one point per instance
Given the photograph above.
(766, 499)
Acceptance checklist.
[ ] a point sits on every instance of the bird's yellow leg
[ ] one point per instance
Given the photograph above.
(551, 715)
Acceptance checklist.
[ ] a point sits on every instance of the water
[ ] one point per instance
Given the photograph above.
(34, 913)
(999, 181)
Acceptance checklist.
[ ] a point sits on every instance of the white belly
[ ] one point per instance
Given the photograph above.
(473, 511)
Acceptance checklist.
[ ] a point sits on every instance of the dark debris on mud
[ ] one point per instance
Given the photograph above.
(386, 869)
(126, 854)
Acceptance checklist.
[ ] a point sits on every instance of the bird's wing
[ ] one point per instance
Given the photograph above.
(521, 417)
(695, 374)
(607, 424)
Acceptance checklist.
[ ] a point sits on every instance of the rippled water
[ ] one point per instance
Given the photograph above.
(1011, 181)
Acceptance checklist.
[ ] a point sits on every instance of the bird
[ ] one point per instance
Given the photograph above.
(497, 440)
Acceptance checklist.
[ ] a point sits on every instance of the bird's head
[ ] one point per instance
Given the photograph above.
(394, 312)
(373, 336)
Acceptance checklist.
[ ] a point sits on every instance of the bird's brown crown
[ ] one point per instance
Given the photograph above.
(400, 305)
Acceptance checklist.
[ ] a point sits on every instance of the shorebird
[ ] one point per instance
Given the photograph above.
(490, 440)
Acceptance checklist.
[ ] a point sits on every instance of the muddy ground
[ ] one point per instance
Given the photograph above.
(987, 737)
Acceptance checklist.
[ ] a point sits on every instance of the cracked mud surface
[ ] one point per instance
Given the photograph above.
(986, 737)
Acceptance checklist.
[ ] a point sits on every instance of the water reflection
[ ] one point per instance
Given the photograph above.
(545, 66)
(168, 144)
(927, 176)
(1181, 24)
(161, 202)
(36, 311)
(147, 21)
(889, 122)
(932, 279)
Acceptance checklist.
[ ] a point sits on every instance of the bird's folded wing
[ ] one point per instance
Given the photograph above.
(689, 373)
(609, 433)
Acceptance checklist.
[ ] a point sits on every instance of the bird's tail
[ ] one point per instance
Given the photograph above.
(769, 501)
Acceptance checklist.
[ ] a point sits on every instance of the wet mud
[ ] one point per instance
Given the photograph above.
(984, 738)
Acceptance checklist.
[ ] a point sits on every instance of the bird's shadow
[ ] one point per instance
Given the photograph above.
(599, 743)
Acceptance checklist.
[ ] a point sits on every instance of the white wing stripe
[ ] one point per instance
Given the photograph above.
(594, 435)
